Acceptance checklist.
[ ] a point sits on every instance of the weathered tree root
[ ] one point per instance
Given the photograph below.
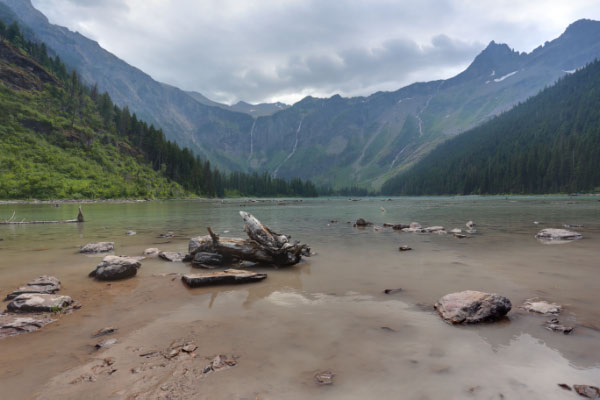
(263, 246)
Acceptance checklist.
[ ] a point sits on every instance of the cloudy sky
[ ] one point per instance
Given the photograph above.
(283, 50)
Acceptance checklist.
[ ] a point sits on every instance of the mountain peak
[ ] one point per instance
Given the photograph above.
(583, 26)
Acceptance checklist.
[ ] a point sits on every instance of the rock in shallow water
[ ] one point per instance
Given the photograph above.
(38, 303)
(591, 392)
(551, 234)
(43, 284)
(229, 276)
(471, 307)
(14, 324)
(116, 267)
(171, 256)
(540, 307)
(151, 252)
(99, 247)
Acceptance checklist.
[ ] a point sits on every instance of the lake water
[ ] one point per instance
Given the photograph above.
(327, 313)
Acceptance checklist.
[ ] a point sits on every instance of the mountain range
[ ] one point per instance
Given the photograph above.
(335, 141)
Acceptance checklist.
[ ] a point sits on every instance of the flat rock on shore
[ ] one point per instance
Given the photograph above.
(34, 302)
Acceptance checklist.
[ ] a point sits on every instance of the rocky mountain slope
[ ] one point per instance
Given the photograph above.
(335, 141)
(548, 144)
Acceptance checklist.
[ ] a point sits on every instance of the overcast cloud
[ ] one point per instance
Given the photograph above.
(283, 50)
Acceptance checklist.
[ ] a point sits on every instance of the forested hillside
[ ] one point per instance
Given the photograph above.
(62, 139)
(549, 144)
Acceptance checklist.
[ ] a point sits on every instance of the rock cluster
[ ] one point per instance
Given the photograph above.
(38, 299)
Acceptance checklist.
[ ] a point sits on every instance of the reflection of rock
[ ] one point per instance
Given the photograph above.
(540, 307)
(472, 307)
(14, 324)
(32, 302)
(229, 276)
(551, 234)
(99, 247)
(116, 267)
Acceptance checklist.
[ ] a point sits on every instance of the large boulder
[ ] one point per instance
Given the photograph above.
(471, 307)
(200, 243)
(34, 302)
(204, 259)
(229, 276)
(362, 222)
(43, 284)
(116, 267)
(98, 247)
(552, 234)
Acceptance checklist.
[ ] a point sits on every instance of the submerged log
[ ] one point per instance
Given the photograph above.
(229, 276)
(77, 220)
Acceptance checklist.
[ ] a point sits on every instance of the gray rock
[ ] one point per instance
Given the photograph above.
(456, 230)
(399, 227)
(105, 331)
(470, 224)
(324, 377)
(44, 280)
(229, 276)
(362, 222)
(540, 307)
(171, 256)
(207, 259)
(434, 228)
(472, 307)
(15, 324)
(105, 343)
(38, 303)
(151, 252)
(404, 248)
(116, 267)
(44, 285)
(200, 243)
(591, 392)
(552, 234)
(98, 247)
(131, 233)
(392, 291)
(554, 325)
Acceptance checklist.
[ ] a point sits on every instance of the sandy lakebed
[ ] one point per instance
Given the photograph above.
(268, 340)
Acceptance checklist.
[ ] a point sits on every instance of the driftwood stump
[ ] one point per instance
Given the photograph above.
(263, 245)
